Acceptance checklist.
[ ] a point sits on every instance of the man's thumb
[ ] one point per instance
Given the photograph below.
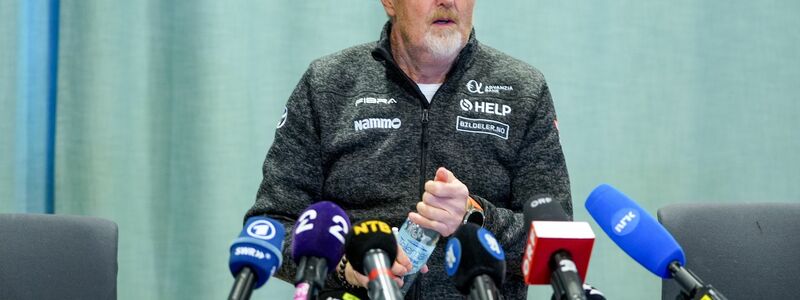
(443, 175)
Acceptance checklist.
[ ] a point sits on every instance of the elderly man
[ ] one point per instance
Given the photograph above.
(372, 126)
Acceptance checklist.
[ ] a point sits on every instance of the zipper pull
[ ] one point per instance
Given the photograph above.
(425, 115)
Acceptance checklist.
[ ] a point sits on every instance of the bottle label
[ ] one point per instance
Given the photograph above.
(417, 242)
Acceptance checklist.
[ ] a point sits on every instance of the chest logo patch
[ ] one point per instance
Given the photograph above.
(485, 107)
(477, 87)
(377, 123)
(482, 126)
(372, 100)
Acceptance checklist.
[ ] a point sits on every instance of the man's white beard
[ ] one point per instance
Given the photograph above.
(445, 46)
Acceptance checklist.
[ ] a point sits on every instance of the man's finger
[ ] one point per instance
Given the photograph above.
(443, 175)
(401, 264)
(399, 270)
(399, 281)
(447, 198)
(360, 278)
(428, 223)
(432, 212)
(451, 205)
(446, 190)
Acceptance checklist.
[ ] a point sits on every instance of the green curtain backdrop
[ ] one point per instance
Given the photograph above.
(166, 110)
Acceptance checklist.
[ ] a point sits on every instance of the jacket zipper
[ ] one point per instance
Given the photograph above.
(425, 107)
(423, 151)
(415, 290)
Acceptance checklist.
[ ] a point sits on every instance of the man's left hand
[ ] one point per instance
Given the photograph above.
(443, 204)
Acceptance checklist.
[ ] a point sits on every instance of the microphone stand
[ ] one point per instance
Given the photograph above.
(243, 286)
(691, 286)
(483, 288)
(310, 277)
(566, 283)
(380, 286)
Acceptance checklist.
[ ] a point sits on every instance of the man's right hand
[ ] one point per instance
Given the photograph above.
(400, 267)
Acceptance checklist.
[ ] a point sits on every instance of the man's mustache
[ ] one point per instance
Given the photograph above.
(444, 14)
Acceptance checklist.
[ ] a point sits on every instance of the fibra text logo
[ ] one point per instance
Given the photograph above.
(261, 229)
(373, 123)
(625, 221)
(540, 201)
(371, 100)
(475, 87)
(485, 107)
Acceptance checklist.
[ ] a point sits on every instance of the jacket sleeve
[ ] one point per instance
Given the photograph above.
(292, 170)
(539, 169)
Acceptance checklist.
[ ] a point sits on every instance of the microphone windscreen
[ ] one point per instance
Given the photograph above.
(368, 235)
(473, 251)
(546, 238)
(633, 230)
(543, 208)
(320, 231)
(258, 247)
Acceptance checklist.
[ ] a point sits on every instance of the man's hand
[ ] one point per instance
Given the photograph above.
(400, 267)
(443, 204)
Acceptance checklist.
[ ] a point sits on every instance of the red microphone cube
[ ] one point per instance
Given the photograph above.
(545, 238)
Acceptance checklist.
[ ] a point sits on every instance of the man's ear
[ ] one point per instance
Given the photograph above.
(388, 6)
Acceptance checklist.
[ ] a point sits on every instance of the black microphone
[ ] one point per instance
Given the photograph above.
(371, 248)
(476, 262)
(317, 246)
(558, 250)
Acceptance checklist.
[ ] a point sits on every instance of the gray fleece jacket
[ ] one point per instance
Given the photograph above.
(357, 131)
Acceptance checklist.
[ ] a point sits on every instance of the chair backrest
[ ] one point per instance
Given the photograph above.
(57, 257)
(746, 251)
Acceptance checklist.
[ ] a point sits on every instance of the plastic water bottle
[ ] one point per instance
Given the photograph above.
(418, 244)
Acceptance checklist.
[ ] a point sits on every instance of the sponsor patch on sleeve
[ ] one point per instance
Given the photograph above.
(283, 117)
(482, 126)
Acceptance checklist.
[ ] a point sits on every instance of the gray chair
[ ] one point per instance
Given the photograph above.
(746, 251)
(57, 257)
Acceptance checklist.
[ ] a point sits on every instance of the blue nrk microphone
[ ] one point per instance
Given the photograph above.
(318, 245)
(634, 230)
(255, 255)
(645, 240)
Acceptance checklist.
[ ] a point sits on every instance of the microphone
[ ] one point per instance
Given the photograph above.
(645, 240)
(318, 246)
(476, 262)
(371, 248)
(255, 255)
(337, 295)
(557, 251)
